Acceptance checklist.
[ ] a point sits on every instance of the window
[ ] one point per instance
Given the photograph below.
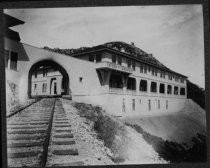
(133, 65)
(162, 88)
(6, 54)
(169, 76)
(182, 91)
(119, 60)
(133, 104)
(91, 58)
(143, 85)
(181, 80)
(129, 62)
(98, 57)
(114, 59)
(153, 87)
(176, 90)
(145, 69)
(176, 79)
(131, 84)
(139, 101)
(13, 60)
(162, 74)
(141, 68)
(44, 72)
(169, 89)
(153, 71)
(35, 86)
(44, 87)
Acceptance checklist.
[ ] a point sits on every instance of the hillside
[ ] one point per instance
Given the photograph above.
(179, 137)
(196, 93)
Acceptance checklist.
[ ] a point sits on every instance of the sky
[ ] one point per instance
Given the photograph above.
(172, 33)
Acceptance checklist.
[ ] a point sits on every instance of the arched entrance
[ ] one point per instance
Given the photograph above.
(47, 78)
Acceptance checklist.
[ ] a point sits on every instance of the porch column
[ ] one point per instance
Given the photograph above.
(125, 80)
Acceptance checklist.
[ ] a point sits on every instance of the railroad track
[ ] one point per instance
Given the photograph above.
(40, 135)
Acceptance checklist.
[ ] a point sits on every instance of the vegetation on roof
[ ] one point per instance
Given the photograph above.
(123, 47)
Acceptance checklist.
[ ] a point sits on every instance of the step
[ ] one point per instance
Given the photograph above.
(30, 144)
(23, 154)
(79, 163)
(63, 142)
(64, 136)
(66, 152)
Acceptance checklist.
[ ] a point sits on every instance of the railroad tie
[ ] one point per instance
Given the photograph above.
(23, 154)
(64, 142)
(28, 144)
(79, 163)
(66, 152)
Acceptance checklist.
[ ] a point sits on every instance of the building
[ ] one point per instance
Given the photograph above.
(46, 81)
(123, 79)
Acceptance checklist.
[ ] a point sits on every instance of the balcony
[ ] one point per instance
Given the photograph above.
(113, 66)
(116, 90)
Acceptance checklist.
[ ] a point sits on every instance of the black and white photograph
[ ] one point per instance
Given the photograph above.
(105, 85)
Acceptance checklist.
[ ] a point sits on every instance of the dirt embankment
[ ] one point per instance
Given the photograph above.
(125, 145)
(177, 137)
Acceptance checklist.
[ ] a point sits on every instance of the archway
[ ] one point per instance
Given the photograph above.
(57, 73)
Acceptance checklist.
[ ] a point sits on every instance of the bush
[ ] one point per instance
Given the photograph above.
(107, 128)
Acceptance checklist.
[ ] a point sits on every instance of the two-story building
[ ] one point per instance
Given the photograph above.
(123, 79)
(134, 80)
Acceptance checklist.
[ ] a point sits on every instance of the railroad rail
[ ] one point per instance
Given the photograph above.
(39, 135)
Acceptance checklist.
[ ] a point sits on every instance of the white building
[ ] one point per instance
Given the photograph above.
(46, 81)
(120, 77)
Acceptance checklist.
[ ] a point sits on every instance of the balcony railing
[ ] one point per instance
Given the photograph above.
(110, 65)
(116, 90)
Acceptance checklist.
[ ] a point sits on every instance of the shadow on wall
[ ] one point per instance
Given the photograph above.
(11, 95)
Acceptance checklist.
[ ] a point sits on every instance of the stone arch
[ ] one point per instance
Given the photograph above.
(65, 80)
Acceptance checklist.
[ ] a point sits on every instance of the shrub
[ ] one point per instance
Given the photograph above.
(107, 128)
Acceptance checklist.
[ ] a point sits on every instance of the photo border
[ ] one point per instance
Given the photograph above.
(11, 4)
